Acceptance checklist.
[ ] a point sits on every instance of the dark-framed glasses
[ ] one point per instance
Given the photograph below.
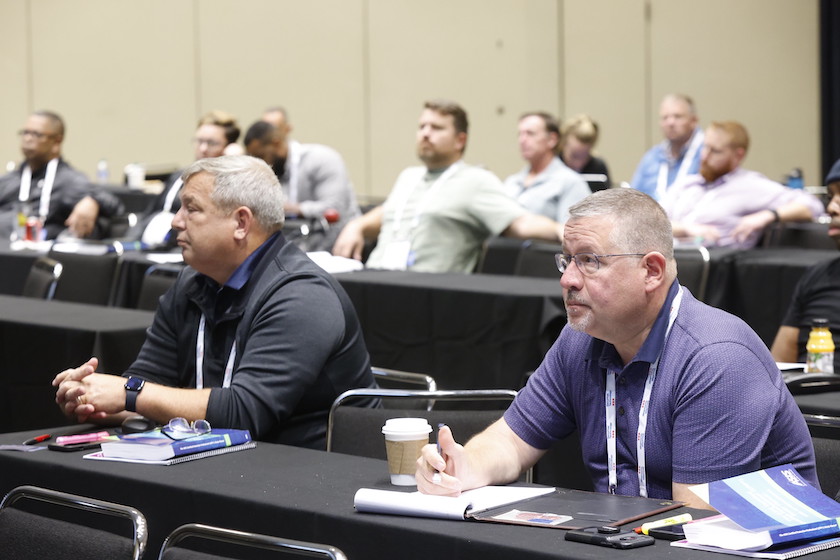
(181, 428)
(587, 263)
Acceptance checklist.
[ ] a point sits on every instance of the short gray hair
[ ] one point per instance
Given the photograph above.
(243, 181)
(641, 225)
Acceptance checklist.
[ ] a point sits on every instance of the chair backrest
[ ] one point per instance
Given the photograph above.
(805, 235)
(25, 534)
(825, 435)
(396, 379)
(86, 278)
(499, 255)
(693, 269)
(245, 541)
(536, 259)
(43, 278)
(156, 281)
(345, 423)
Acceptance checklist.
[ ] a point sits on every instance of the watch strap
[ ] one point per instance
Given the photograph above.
(131, 393)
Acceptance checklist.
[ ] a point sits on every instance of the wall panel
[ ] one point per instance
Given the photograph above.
(754, 61)
(122, 76)
(498, 58)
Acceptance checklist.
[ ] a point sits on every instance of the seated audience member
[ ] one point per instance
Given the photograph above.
(817, 294)
(678, 155)
(252, 335)
(634, 333)
(726, 205)
(545, 185)
(45, 186)
(438, 215)
(578, 137)
(314, 177)
(217, 131)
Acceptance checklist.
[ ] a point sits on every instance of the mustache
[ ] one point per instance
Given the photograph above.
(572, 296)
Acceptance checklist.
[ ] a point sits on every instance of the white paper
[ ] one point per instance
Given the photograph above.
(418, 504)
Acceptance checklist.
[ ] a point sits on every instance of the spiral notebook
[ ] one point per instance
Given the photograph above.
(784, 553)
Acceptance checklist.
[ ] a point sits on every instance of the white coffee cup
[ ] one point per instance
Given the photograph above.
(404, 438)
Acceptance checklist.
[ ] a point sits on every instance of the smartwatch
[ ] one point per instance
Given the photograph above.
(132, 388)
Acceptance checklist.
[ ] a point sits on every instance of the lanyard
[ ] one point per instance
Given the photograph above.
(688, 158)
(171, 194)
(398, 214)
(609, 398)
(294, 168)
(199, 359)
(46, 191)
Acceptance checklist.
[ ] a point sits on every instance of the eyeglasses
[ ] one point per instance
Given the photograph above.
(181, 428)
(587, 263)
(210, 143)
(34, 133)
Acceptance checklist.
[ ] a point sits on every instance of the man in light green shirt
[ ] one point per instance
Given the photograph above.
(438, 216)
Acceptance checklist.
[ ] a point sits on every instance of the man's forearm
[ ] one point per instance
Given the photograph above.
(535, 226)
(162, 403)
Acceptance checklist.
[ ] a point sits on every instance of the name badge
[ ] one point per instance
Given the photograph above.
(397, 255)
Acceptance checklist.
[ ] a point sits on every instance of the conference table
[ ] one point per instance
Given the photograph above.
(301, 494)
(467, 331)
(38, 339)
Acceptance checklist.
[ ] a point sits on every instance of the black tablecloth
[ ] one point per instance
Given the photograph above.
(38, 339)
(467, 331)
(295, 493)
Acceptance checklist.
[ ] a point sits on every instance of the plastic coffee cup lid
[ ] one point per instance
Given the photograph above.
(399, 426)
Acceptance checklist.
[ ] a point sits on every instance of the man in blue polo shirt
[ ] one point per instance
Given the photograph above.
(678, 155)
(694, 385)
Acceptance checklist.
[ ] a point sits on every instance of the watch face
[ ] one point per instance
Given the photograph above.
(134, 383)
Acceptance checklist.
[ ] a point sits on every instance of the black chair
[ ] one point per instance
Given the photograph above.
(693, 263)
(156, 281)
(244, 542)
(43, 278)
(33, 526)
(499, 255)
(825, 435)
(537, 259)
(345, 423)
(806, 235)
(87, 277)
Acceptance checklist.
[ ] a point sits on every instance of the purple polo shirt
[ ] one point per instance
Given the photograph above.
(719, 407)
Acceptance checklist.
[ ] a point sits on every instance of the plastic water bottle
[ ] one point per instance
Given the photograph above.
(795, 179)
(820, 348)
(102, 174)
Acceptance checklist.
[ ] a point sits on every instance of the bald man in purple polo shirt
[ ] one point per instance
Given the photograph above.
(715, 404)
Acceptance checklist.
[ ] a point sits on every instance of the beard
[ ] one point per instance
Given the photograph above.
(711, 175)
(580, 321)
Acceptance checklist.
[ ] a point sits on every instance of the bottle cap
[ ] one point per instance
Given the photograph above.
(819, 322)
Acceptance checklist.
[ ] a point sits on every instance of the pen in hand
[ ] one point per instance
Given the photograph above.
(436, 476)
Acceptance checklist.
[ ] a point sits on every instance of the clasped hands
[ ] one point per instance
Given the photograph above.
(86, 395)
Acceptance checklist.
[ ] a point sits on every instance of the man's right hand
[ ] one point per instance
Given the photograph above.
(438, 473)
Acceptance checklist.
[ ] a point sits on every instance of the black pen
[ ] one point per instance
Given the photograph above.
(37, 439)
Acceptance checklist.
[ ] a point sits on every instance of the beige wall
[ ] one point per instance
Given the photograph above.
(131, 78)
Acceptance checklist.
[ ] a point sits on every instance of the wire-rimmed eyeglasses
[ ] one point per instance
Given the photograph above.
(587, 263)
(181, 428)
